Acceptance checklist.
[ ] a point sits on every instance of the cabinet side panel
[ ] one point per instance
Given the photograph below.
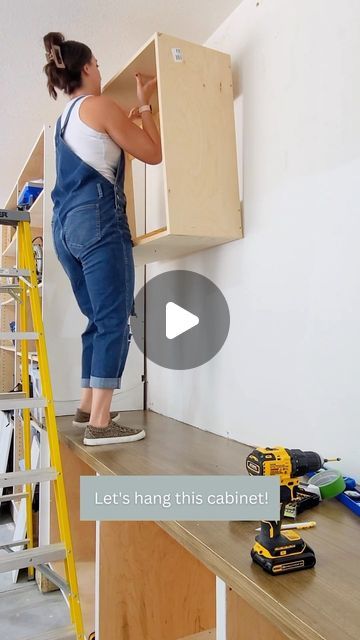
(199, 144)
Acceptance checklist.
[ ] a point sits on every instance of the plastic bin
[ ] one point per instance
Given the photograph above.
(29, 193)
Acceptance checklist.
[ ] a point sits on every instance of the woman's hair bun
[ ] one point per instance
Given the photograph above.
(51, 38)
(65, 61)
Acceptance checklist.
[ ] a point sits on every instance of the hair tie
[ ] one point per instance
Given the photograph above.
(55, 55)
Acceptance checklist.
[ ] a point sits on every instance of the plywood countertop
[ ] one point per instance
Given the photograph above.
(319, 603)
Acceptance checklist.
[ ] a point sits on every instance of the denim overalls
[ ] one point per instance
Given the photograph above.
(92, 241)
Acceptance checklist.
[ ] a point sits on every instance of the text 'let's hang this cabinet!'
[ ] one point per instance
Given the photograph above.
(192, 197)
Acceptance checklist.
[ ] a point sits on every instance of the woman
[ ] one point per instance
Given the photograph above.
(91, 235)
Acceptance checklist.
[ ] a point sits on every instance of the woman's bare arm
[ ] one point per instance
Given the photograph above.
(144, 144)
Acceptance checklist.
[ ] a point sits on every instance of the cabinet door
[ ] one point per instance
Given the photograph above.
(148, 196)
(138, 186)
(155, 197)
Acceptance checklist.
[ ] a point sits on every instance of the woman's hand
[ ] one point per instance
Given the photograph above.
(134, 113)
(145, 86)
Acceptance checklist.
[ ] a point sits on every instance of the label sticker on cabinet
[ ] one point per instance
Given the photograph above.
(177, 54)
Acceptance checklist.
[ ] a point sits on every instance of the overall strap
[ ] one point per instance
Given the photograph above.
(120, 167)
(57, 130)
(68, 115)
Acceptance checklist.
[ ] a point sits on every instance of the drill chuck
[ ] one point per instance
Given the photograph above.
(304, 461)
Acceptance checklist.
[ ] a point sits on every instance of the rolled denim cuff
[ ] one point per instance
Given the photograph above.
(105, 383)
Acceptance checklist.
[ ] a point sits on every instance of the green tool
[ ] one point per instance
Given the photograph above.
(330, 482)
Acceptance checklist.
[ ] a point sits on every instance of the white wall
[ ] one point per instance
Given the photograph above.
(289, 372)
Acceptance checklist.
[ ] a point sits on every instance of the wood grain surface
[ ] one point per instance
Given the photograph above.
(320, 603)
(151, 588)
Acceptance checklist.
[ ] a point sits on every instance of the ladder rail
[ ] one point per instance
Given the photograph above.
(46, 387)
(26, 388)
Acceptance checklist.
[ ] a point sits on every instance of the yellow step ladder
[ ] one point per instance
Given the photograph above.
(22, 284)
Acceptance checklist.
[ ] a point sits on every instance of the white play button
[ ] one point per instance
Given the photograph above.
(178, 320)
(181, 319)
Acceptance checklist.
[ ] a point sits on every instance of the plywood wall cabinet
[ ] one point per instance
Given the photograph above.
(197, 202)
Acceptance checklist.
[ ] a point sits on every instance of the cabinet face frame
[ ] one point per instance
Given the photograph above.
(194, 111)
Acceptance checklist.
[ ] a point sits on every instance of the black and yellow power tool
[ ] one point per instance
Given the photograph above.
(279, 551)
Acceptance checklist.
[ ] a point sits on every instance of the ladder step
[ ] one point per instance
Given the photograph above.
(12, 394)
(17, 543)
(14, 478)
(18, 335)
(22, 403)
(6, 288)
(32, 557)
(11, 217)
(64, 633)
(12, 272)
(13, 496)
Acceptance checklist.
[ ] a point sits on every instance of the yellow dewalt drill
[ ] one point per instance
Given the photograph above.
(279, 551)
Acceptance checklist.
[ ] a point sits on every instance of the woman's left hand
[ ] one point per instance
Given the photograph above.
(134, 113)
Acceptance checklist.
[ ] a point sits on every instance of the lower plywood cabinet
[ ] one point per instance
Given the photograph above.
(133, 576)
(170, 580)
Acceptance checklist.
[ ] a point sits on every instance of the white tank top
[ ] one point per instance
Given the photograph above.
(95, 148)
